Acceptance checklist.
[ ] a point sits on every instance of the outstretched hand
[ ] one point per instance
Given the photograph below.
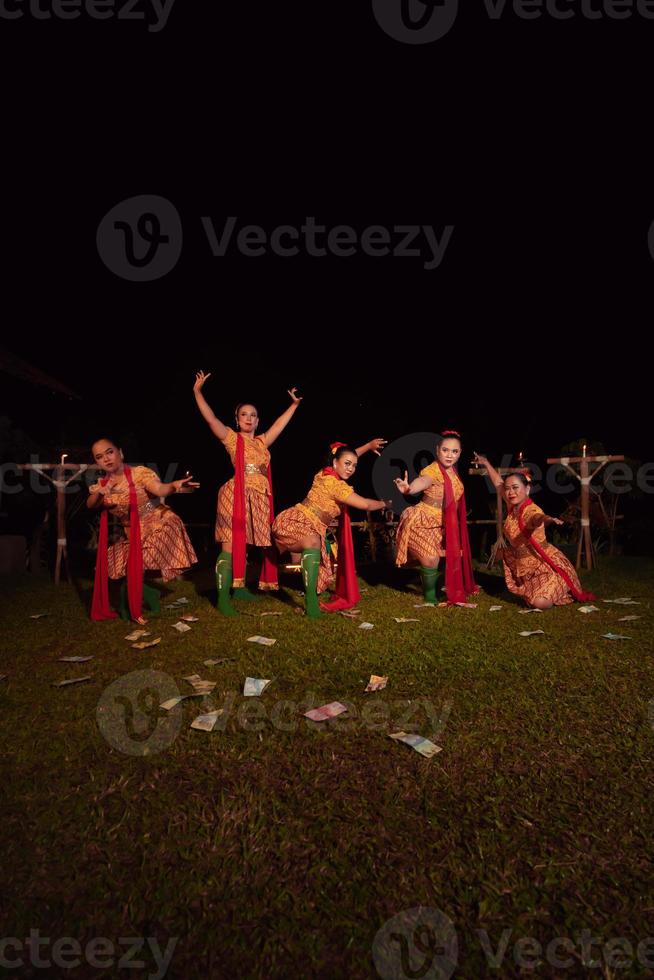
(479, 459)
(296, 399)
(185, 485)
(200, 378)
(402, 484)
(377, 445)
(552, 520)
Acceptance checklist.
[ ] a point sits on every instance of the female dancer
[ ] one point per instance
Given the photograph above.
(533, 568)
(245, 503)
(156, 537)
(442, 510)
(304, 527)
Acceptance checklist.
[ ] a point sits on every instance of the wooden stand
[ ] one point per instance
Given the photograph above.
(584, 475)
(59, 481)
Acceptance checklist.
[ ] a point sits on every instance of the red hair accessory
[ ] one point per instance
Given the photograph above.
(451, 432)
(335, 446)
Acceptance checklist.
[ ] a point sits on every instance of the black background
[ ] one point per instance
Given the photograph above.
(532, 138)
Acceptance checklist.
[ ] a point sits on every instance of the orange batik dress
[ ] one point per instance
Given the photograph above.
(421, 527)
(319, 510)
(164, 542)
(532, 566)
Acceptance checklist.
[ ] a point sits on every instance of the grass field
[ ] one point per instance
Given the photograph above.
(276, 847)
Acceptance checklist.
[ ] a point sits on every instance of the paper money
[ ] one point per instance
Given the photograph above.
(172, 702)
(270, 614)
(494, 608)
(614, 636)
(265, 641)
(192, 678)
(254, 686)
(524, 612)
(628, 619)
(331, 710)
(205, 723)
(39, 615)
(624, 601)
(376, 683)
(366, 626)
(74, 660)
(350, 613)
(587, 609)
(182, 601)
(222, 660)
(136, 635)
(190, 619)
(73, 680)
(181, 627)
(404, 619)
(200, 686)
(531, 632)
(466, 605)
(417, 742)
(146, 645)
(425, 605)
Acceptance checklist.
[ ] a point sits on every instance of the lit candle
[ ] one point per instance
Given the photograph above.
(63, 456)
(519, 457)
(583, 451)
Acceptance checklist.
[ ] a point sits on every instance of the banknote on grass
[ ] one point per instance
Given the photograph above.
(206, 723)
(326, 711)
(146, 644)
(136, 635)
(254, 686)
(417, 742)
(376, 683)
(72, 680)
(265, 641)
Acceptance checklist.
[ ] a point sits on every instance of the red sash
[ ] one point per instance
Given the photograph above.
(268, 577)
(100, 608)
(347, 592)
(531, 541)
(459, 579)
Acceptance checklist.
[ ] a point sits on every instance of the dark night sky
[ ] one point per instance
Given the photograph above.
(529, 137)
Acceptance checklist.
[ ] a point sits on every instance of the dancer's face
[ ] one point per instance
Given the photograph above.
(448, 452)
(247, 418)
(346, 465)
(108, 456)
(515, 490)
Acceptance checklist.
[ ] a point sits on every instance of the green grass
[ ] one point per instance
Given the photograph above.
(280, 853)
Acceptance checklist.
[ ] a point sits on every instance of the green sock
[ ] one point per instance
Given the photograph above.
(242, 592)
(310, 569)
(429, 577)
(224, 583)
(151, 598)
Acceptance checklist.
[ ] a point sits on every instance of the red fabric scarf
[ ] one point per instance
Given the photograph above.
(347, 592)
(531, 541)
(459, 580)
(100, 608)
(268, 577)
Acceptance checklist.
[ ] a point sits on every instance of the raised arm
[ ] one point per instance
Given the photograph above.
(278, 427)
(362, 503)
(158, 489)
(376, 445)
(416, 486)
(492, 472)
(216, 426)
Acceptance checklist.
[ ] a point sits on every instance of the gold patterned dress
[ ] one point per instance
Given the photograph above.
(319, 509)
(257, 493)
(526, 574)
(421, 528)
(164, 541)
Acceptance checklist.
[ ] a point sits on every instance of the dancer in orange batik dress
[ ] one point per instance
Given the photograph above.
(533, 568)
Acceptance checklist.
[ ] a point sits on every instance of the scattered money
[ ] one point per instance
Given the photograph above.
(466, 605)
(136, 635)
(181, 627)
(74, 660)
(205, 723)
(190, 619)
(222, 660)
(270, 614)
(73, 680)
(366, 626)
(254, 686)
(614, 636)
(376, 683)
(417, 742)
(350, 613)
(531, 632)
(624, 601)
(425, 605)
(172, 702)
(403, 619)
(494, 608)
(200, 686)
(265, 641)
(146, 645)
(588, 609)
(523, 612)
(39, 615)
(628, 619)
(327, 711)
